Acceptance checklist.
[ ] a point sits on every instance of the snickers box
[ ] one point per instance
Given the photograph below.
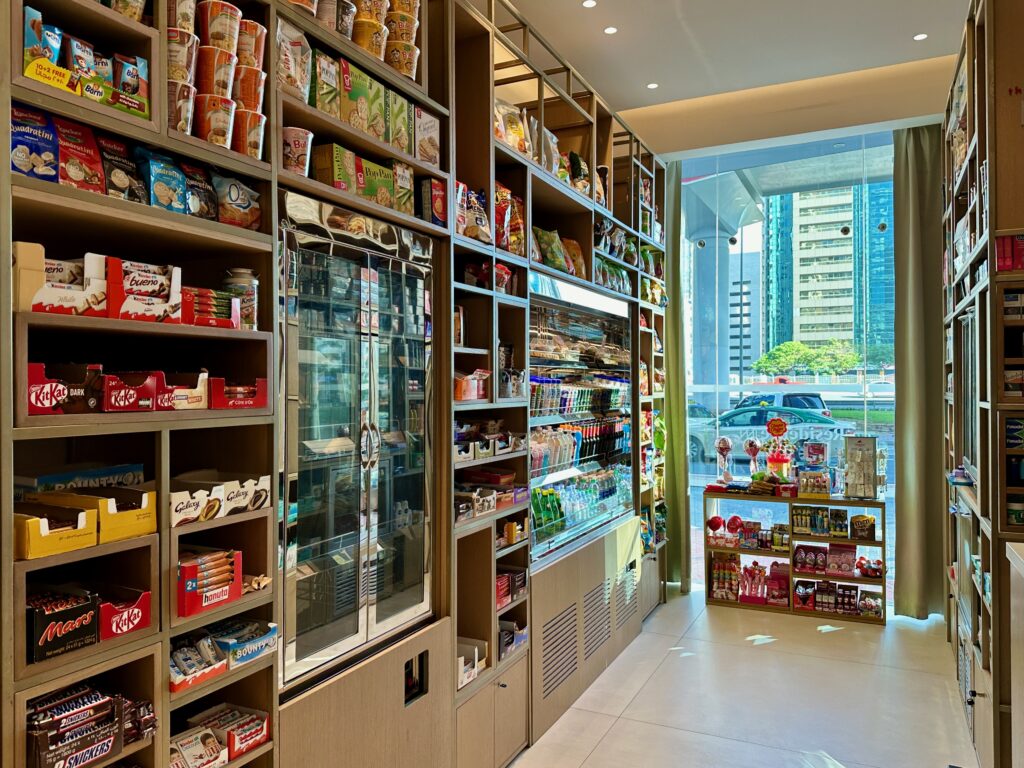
(59, 620)
(62, 388)
(103, 742)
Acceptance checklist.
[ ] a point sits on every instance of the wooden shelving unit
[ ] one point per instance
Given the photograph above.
(983, 157)
(712, 505)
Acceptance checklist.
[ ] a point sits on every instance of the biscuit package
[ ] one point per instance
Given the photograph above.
(294, 60)
(122, 174)
(165, 180)
(80, 163)
(237, 204)
(200, 196)
(427, 132)
(323, 94)
(364, 101)
(33, 144)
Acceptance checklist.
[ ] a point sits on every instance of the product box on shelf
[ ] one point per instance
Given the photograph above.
(208, 579)
(405, 193)
(871, 603)
(472, 659)
(401, 122)
(197, 747)
(842, 559)
(241, 729)
(1009, 253)
(432, 205)
(64, 388)
(182, 391)
(59, 620)
(138, 291)
(191, 316)
(510, 638)
(123, 610)
(364, 101)
(55, 286)
(130, 391)
(244, 641)
(206, 494)
(100, 743)
(85, 475)
(224, 396)
(479, 501)
(121, 513)
(41, 530)
(464, 451)
(427, 132)
(803, 595)
(195, 660)
(342, 169)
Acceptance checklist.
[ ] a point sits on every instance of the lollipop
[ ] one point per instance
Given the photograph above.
(752, 447)
(723, 446)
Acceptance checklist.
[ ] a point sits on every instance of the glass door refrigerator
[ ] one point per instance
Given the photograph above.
(357, 533)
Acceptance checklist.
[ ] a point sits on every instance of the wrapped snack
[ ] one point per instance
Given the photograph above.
(130, 9)
(752, 447)
(323, 92)
(78, 57)
(200, 196)
(80, 162)
(165, 180)
(477, 224)
(723, 447)
(33, 144)
(550, 153)
(575, 254)
(563, 169)
(552, 251)
(238, 205)
(517, 227)
(580, 172)
(294, 60)
(131, 75)
(461, 207)
(502, 215)
(513, 131)
(122, 174)
(103, 67)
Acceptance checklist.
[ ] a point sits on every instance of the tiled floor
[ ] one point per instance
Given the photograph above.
(727, 688)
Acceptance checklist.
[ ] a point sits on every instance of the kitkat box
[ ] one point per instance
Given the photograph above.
(56, 388)
(134, 391)
(123, 610)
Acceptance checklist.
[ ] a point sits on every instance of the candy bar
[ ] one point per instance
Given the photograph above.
(153, 269)
(58, 697)
(64, 273)
(147, 284)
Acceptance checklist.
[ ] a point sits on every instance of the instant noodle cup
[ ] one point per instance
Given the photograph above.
(182, 52)
(346, 17)
(403, 57)
(247, 136)
(297, 145)
(180, 101)
(401, 27)
(371, 36)
(217, 24)
(216, 73)
(412, 7)
(248, 90)
(371, 10)
(214, 118)
(252, 41)
(181, 14)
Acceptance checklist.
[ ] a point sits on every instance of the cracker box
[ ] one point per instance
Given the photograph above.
(64, 619)
(427, 131)
(432, 204)
(405, 194)
(34, 537)
(123, 610)
(207, 494)
(63, 388)
(39, 287)
(323, 91)
(203, 586)
(401, 122)
(364, 101)
(121, 513)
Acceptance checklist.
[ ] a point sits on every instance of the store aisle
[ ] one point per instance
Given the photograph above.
(725, 688)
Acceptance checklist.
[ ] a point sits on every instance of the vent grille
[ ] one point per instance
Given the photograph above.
(558, 650)
(597, 618)
(626, 597)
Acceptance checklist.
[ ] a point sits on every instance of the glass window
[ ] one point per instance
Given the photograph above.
(751, 418)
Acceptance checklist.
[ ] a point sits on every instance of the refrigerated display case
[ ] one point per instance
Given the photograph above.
(581, 406)
(357, 566)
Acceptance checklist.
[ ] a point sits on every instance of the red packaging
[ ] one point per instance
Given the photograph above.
(135, 294)
(1004, 254)
(132, 391)
(193, 599)
(192, 314)
(182, 391)
(64, 388)
(224, 396)
(80, 162)
(123, 610)
(239, 734)
(1018, 251)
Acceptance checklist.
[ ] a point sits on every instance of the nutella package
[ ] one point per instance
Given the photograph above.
(122, 174)
(79, 157)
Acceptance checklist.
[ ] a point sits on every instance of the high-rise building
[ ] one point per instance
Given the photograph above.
(777, 275)
(875, 288)
(745, 313)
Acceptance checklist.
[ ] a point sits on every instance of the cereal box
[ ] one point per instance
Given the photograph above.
(323, 93)
(364, 101)
(401, 118)
(405, 193)
(427, 131)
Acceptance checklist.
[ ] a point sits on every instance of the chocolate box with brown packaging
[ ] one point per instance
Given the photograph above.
(64, 388)
(59, 620)
(103, 742)
(206, 494)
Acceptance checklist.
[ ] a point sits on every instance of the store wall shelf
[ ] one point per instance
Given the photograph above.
(22, 567)
(153, 425)
(812, 539)
(514, 604)
(489, 460)
(467, 527)
(220, 522)
(511, 548)
(182, 624)
(82, 324)
(181, 698)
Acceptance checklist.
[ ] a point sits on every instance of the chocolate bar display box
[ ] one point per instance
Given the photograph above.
(207, 581)
(121, 513)
(123, 610)
(84, 475)
(130, 391)
(177, 684)
(197, 747)
(182, 391)
(59, 620)
(138, 291)
(225, 396)
(103, 742)
(242, 644)
(240, 734)
(206, 494)
(191, 314)
(41, 530)
(55, 286)
(55, 388)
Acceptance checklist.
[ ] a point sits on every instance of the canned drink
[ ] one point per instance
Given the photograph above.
(244, 284)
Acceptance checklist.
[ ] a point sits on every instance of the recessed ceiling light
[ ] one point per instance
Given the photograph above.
(589, 3)
(610, 30)
(920, 37)
(651, 86)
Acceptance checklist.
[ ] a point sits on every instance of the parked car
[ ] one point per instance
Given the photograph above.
(882, 389)
(803, 400)
(742, 423)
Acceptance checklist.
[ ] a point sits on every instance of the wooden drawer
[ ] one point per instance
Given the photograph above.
(511, 710)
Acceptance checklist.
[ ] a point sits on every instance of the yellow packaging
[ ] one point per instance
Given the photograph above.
(122, 513)
(33, 538)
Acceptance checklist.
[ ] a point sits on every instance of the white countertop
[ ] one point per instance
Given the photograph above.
(1015, 554)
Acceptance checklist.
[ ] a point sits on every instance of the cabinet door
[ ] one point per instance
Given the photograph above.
(399, 533)
(984, 721)
(511, 702)
(474, 731)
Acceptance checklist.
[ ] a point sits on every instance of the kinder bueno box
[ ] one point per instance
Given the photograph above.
(55, 388)
(59, 620)
(206, 494)
(64, 287)
(139, 291)
(182, 391)
(240, 728)
(130, 391)
(123, 610)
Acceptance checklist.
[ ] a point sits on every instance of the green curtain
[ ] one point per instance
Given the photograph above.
(676, 467)
(920, 487)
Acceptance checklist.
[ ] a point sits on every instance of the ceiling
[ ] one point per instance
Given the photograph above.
(695, 48)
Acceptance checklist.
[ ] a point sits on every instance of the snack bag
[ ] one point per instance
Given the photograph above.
(200, 196)
(123, 177)
(33, 144)
(80, 163)
(575, 254)
(165, 181)
(294, 60)
(552, 251)
(477, 224)
(502, 215)
(238, 205)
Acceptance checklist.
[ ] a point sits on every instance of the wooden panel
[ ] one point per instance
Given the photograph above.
(650, 587)
(474, 730)
(1017, 665)
(511, 709)
(361, 718)
(597, 578)
(1005, 113)
(555, 589)
(983, 718)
